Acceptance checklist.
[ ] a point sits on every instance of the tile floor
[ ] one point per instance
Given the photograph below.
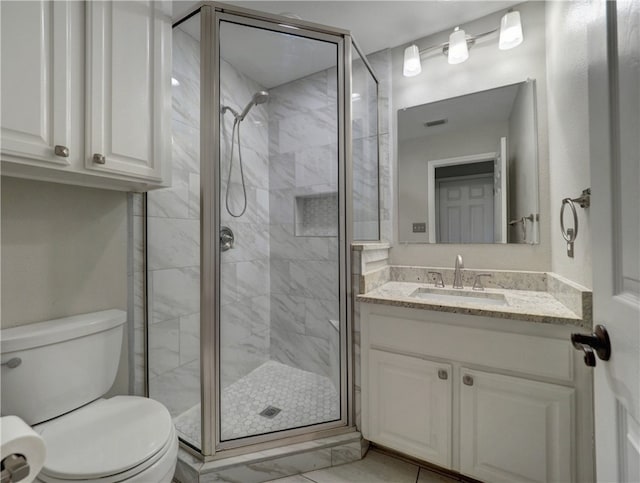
(375, 467)
(303, 398)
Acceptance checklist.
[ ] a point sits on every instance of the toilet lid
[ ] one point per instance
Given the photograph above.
(105, 437)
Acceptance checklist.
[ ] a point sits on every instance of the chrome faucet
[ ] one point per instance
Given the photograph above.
(457, 276)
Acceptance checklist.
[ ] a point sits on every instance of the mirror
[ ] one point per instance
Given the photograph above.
(468, 168)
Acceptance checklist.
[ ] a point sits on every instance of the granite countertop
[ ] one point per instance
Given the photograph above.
(528, 305)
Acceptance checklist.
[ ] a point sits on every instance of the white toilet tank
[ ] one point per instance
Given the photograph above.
(53, 367)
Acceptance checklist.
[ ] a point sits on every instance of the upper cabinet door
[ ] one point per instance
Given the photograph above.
(128, 88)
(36, 97)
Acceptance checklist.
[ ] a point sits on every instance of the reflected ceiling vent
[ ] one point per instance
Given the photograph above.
(437, 122)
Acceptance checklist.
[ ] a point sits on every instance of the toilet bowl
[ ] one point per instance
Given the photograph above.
(65, 367)
(124, 438)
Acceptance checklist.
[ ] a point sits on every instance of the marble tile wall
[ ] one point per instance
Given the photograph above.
(245, 280)
(370, 259)
(173, 246)
(381, 64)
(365, 153)
(303, 162)
(135, 309)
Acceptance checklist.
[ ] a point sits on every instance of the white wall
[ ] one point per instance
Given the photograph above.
(487, 68)
(568, 131)
(64, 252)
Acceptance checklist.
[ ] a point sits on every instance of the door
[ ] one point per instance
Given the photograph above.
(410, 406)
(500, 178)
(465, 210)
(280, 163)
(514, 429)
(128, 88)
(614, 88)
(36, 97)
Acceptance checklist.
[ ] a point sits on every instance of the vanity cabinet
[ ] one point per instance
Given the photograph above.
(86, 93)
(514, 429)
(410, 405)
(494, 399)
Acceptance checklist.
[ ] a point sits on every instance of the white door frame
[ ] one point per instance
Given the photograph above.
(431, 183)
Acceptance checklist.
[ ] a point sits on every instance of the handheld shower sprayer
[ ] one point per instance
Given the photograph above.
(259, 97)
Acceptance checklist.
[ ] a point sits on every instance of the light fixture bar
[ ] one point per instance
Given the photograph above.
(457, 49)
(471, 40)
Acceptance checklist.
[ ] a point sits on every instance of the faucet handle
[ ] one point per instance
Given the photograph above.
(477, 283)
(439, 282)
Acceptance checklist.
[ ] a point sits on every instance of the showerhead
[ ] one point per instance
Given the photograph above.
(259, 97)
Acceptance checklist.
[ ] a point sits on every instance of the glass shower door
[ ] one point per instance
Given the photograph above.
(281, 315)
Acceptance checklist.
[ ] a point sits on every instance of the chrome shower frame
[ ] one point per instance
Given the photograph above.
(211, 14)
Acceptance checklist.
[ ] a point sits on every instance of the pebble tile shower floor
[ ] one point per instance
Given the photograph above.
(303, 397)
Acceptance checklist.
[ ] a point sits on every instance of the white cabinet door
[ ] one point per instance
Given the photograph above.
(513, 429)
(410, 406)
(36, 97)
(128, 88)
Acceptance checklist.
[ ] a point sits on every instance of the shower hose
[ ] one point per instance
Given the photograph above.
(236, 128)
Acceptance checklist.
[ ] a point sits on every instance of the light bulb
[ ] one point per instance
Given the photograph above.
(458, 50)
(412, 66)
(510, 31)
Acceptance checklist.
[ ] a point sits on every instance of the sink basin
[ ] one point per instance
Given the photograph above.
(453, 296)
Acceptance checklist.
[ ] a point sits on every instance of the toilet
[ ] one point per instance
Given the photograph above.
(55, 375)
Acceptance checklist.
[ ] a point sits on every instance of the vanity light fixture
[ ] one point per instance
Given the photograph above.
(510, 31)
(457, 49)
(411, 65)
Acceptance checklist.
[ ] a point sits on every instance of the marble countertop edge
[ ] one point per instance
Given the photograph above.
(531, 306)
(512, 315)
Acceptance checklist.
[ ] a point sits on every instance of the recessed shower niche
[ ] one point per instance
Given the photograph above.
(317, 215)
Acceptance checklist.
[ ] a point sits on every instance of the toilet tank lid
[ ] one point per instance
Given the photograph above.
(51, 331)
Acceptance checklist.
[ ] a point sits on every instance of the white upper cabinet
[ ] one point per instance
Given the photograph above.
(36, 88)
(86, 92)
(128, 88)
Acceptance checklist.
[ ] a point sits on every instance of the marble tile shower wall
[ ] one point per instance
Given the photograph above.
(173, 246)
(303, 161)
(245, 281)
(365, 154)
(381, 64)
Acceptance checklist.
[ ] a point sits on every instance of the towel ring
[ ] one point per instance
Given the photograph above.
(569, 235)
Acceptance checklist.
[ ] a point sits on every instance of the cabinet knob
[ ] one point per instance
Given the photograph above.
(99, 158)
(442, 374)
(61, 151)
(467, 380)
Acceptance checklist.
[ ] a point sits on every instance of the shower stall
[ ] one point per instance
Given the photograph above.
(275, 173)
